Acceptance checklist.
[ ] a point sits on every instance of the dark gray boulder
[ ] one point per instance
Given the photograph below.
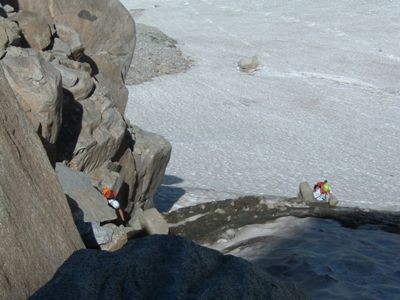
(162, 267)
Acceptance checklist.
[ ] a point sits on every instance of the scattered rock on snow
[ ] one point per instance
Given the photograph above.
(248, 64)
(305, 192)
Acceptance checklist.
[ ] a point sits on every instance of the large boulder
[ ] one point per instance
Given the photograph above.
(151, 153)
(163, 267)
(99, 130)
(9, 34)
(108, 44)
(76, 78)
(305, 192)
(37, 231)
(37, 86)
(35, 29)
(87, 204)
(72, 38)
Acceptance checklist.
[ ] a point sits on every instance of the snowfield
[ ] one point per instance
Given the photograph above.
(325, 103)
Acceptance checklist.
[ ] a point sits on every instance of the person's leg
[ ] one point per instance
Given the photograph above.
(115, 204)
(122, 215)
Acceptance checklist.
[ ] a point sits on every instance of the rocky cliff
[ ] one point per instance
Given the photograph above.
(63, 66)
(66, 62)
(37, 232)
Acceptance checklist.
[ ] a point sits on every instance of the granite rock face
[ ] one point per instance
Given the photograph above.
(108, 48)
(37, 86)
(183, 270)
(37, 231)
(151, 153)
(101, 134)
(86, 203)
(9, 34)
(35, 29)
(72, 89)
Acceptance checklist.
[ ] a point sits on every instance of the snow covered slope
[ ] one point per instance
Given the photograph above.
(326, 103)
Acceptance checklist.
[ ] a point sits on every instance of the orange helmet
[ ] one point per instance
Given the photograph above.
(107, 193)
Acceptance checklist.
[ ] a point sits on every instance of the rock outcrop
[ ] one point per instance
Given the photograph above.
(156, 54)
(180, 269)
(37, 232)
(72, 88)
(37, 86)
(35, 29)
(151, 153)
(108, 48)
(66, 62)
(208, 222)
(86, 203)
(9, 35)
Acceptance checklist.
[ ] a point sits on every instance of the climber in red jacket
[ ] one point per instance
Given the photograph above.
(113, 202)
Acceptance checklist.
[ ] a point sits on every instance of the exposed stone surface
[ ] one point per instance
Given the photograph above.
(205, 225)
(118, 93)
(305, 192)
(103, 235)
(151, 153)
(60, 47)
(8, 9)
(35, 29)
(153, 222)
(3, 41)
(109, 48)
(120, 237)
(86, 203)
(129, 176)
(150, 220)
(9, 34)
(333, 201)
(93, 130)
(306, 195)
(71, 38)
(37, 232)
(98, 129)
(104, 176)
(76, 79)
(156, 54)
(93, 235)
(248, 64)
(180, 269)
(37, 86)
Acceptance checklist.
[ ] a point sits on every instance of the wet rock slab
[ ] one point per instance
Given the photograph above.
(205, 223)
